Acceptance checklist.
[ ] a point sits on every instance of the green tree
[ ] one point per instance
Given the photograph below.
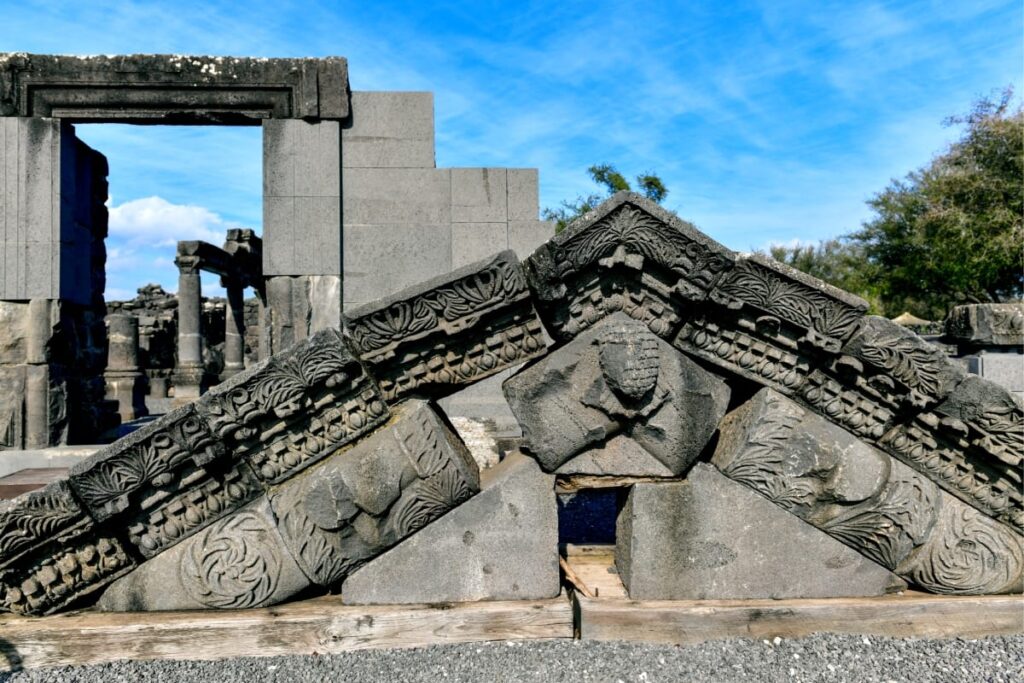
(605, 175)
(838, 262)
(953, 231)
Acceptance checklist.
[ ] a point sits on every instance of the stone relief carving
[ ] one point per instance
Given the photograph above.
(866, 499)
(232, 565)
(352, 508)
(628, 256)
(617, 377)
(295, 409)
(450, 332)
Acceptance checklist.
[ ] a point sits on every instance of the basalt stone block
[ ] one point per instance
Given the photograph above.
(163, 482)
(628, 255)
(871, 502)
(354, 506)
(884, 374)
(709, 538)
(772, 325)
(239, 562)
(972, 445)
(502, 544)
(616, 377)
(172, 88)
(449, 332)
(979, 325)
(51, 552)
(296, 408)
(620, 456)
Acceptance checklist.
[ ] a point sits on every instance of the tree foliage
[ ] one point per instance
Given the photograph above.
(953, 231)
(611, 181)
(950, 232)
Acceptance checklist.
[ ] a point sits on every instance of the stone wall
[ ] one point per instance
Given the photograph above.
(52, 257)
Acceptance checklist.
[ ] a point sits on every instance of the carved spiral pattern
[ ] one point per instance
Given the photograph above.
(232, 565)
(971, 556)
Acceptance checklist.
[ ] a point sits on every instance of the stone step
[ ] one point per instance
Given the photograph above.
(29, 479)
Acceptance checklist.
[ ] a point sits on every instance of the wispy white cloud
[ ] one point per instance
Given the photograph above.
(154, 221)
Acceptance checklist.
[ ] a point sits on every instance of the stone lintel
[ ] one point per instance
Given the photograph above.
(173, 89)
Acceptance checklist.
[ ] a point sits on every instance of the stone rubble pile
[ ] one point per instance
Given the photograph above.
(790, 446)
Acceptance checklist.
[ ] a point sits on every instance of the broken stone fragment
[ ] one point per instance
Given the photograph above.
(449, 332)
(315, 528)
(502, 544)
(617, 377)
(866, 499)
(239, 562)
(980, 325)
(709, 538)
(356, 505)
(628, 255)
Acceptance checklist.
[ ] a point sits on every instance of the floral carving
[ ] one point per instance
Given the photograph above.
(635, 231)
(791, 300)
(907, 360)
(231, 565)
(972, 555)
(33, 519)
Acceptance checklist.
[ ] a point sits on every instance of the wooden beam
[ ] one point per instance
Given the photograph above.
(691, 621)
(572, 483)
(319, 626)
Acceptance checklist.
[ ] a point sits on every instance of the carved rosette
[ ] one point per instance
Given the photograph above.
(629, 256)
(233, 564)
(470, 325)
(863, 498)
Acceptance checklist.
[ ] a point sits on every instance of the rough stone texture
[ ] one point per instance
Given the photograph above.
(389, 130)
(239, 562)
(173, 89)
(299, 307)
(314, 528)
(52, 553)
(302, 198)
(125, 382)
(627, 255)
(979, 325)
(708, 538)
(617, 377)
(502, 544)
(866, 499)
(52, 218)
(971, 445)
(177, 475)
(619, 456)
(449, 332)
(351, 508)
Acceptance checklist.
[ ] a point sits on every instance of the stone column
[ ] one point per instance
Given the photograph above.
(189, 373)
(234, 331)
(125, 382)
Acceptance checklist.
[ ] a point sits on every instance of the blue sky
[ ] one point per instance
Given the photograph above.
(769, 121)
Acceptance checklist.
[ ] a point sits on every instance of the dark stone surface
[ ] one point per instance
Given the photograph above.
(449, 332)
(172, 89)
(617, 377)
(866, 499)
(502, 544)
(981, 325)
(628, 255)
(708, 538)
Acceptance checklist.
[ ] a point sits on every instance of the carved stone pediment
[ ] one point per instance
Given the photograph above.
(449, 332)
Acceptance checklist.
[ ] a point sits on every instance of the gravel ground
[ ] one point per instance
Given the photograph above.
(818, 658)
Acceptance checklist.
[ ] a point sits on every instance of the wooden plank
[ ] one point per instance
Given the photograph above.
(691, 621)
(594, 566)
(319, 626)
(572, 483)
(30, 479)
